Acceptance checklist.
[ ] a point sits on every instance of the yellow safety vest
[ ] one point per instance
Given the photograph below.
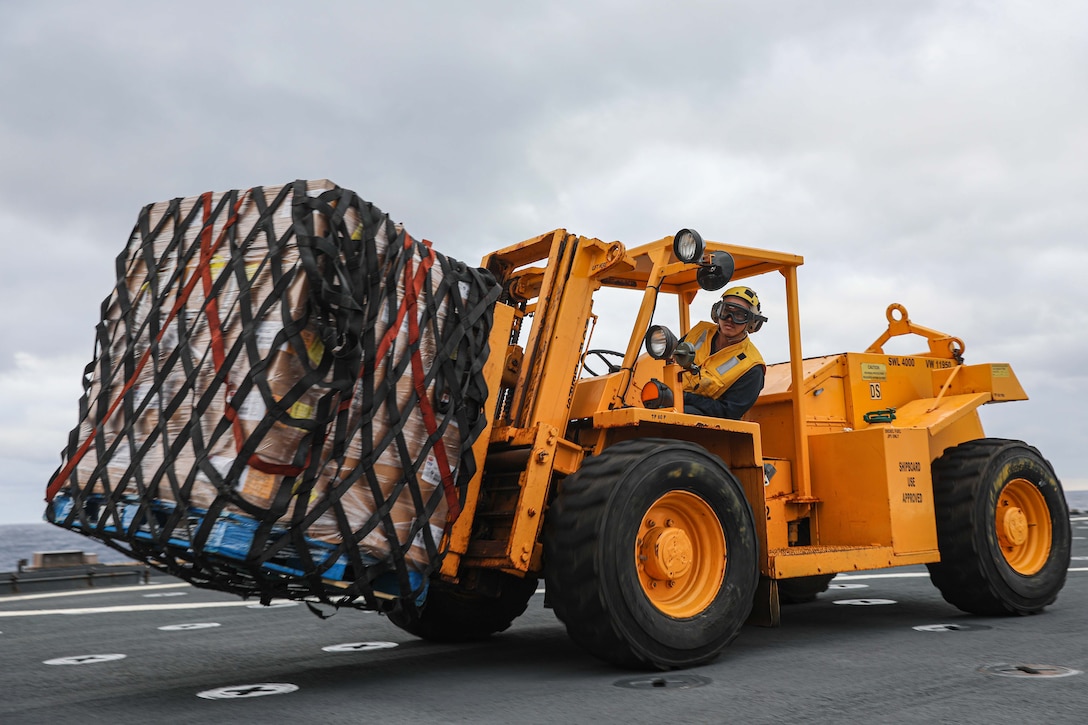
(723, 368)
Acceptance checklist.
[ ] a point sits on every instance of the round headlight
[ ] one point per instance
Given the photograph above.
(687, 245)
(660, 342)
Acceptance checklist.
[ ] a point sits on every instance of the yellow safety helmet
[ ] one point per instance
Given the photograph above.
(754, 319)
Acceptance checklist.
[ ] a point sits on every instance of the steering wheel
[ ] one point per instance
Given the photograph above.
(603, 355)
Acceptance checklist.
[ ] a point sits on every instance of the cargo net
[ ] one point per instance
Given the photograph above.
(284, 396)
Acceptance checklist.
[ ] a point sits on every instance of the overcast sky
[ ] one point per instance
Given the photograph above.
(929, 153)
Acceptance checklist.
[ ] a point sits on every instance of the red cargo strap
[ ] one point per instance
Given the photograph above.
(207, 250)
(413, 285)
(219, 353)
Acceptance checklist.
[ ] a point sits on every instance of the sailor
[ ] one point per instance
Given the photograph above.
(729, 371)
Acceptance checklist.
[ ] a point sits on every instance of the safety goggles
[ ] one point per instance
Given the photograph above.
(739, 315)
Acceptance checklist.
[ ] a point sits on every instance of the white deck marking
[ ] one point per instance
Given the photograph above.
(84, 659)
(892, 575)
(125, 608)
(358, 646)
(53, 595)
(235, 692)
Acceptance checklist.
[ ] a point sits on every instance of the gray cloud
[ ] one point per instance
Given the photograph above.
(924, 153)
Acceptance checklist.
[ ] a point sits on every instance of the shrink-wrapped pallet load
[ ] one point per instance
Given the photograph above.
(284, 395)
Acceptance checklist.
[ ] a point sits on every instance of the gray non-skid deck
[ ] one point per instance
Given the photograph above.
(878, 647)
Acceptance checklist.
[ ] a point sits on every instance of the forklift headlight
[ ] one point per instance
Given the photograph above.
(687, 245)
(659, 342)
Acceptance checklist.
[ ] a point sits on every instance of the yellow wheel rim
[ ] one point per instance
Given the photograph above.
(680, 554)
(1023, 526)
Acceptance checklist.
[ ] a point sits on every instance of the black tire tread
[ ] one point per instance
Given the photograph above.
(581, 508)
(961, 575)
(573, 569)
(801, 590)
(451, 614)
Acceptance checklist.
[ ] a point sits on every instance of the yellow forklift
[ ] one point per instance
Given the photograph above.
(291, 397)
(659, 533)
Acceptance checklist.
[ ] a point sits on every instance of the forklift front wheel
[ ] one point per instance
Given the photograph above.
(651, 555)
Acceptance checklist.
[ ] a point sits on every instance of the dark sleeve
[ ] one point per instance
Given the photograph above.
(734, 402)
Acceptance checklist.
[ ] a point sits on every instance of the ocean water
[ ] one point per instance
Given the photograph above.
(20, 541)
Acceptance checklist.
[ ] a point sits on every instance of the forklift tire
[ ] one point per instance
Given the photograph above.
(650, 555)
(803, 588)
(453, 614)
(1002, 528)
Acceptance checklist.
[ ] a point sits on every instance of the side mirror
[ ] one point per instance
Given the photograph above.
(715, 271)
(684, 354)
(715, 268)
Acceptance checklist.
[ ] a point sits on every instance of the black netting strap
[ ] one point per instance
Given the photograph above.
(292, 336)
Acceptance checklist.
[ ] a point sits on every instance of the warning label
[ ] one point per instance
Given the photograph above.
(874, 371)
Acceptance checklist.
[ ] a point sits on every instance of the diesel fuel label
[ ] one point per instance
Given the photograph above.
(874, 371)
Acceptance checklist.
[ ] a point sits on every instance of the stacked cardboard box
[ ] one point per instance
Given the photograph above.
(271, 354)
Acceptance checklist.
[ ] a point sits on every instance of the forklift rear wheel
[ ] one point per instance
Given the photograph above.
(803, 588)
(452, 613)
(651, 555)
(1002, 528)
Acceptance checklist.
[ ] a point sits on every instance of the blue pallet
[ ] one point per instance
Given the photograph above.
(232, 536)
(62, 506)
(387, 583)
(288, 561)
(230, 540)
(130, 513)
